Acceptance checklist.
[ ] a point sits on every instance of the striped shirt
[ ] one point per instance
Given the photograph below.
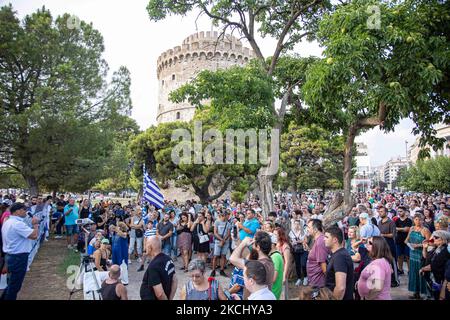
(150, 232)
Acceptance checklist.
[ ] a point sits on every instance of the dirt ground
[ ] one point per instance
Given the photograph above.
(44, 281)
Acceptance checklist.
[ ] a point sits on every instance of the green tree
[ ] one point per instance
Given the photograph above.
(288, 22)
(55, 100)
(155, 148)
(377, 76)
(427, 176)
(117, 169)
(312, 157)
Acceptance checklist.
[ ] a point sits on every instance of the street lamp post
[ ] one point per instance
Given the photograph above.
(364, 181)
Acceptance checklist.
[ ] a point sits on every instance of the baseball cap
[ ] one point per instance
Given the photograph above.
(16, 206)
(105, 241)
(364, 215)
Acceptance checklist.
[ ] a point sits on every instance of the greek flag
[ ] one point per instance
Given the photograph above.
(152, 193)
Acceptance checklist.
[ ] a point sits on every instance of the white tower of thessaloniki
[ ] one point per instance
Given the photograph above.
(177, 66)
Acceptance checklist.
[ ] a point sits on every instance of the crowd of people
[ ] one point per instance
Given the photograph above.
(385, 236)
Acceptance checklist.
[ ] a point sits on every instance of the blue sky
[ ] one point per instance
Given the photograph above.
(132, 40)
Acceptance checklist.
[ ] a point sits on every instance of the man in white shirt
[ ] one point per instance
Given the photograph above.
(255, 282)
(413, 207)
(17, 239)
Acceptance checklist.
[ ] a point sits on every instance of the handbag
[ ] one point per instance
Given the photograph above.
(202, 238)
(297, 248)
(139, 232)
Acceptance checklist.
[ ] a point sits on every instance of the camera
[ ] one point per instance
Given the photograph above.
(82, 222)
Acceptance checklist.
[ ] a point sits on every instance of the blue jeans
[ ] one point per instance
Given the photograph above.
(17, 268)
(173, 243)
(167, 247)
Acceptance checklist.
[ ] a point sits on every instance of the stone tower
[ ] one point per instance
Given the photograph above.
(200, 51)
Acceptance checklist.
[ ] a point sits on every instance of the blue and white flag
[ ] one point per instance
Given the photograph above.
(152, 193)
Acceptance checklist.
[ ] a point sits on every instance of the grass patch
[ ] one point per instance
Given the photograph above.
(71, 258)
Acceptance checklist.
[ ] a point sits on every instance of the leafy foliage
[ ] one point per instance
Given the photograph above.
(427, 176)
(55, 100)
(312, 157)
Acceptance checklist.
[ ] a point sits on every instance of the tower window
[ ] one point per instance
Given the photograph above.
(162, 82)
(178, 115)
(173, 77)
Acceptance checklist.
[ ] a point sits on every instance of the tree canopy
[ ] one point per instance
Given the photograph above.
(428, 176)
(55, 101)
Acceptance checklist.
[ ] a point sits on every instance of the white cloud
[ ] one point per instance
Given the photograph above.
(384, 146)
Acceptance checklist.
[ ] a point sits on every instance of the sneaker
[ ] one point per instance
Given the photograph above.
(141, 268)
(213, 273)
(129, 261)
(223, 274)
(305, 281)
(140, 260)
(298, 283)
(69, 247)
(76, 251)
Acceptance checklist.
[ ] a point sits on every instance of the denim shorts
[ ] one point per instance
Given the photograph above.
(221, 251)
(402, 250)
(72, 229)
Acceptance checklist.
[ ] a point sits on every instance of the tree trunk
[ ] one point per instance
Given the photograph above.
(32, 185)
(348, 156)
(266, 191)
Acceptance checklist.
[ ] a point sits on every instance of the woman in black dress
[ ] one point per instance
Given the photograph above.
(200, 229)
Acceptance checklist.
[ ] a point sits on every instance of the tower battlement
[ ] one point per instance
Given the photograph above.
(177, 66)
(205, 45)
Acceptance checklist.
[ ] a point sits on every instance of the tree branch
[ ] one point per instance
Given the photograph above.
(287, 27)
(10, 165)
(374, 121)
(221, 191)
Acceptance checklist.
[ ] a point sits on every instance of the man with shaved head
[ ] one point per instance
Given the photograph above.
(159, 282)
(112, 288)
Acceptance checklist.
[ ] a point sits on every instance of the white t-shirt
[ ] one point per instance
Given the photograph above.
(317, 216)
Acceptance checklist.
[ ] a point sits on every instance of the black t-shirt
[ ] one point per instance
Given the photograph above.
(401, 235)
(340, 261)
(160, 271)
(447, 277)
(84, 213)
